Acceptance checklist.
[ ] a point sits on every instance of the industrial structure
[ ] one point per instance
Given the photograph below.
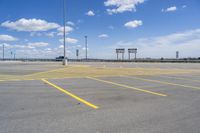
(120, 51)
(132, 50)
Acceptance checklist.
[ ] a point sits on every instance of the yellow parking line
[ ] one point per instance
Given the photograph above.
(48, 71)
(7, 80)
(11, 80)
(126, 86)
(15, 80)
(30, 79)
(73, 77)
(80, 65)
(180, 78)
(70, 94)
(163, 82)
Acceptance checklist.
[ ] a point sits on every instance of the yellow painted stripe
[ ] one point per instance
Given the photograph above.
(126, 86)
(20, 79)
(73, 77)
(15, 80)
(180, 78)
(54, 70)
(79, 65)
(70, 94)
(163, 82)
(30, 79)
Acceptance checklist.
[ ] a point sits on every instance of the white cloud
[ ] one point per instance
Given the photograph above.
(187, 43)
(90, 13)
(38, 44)
(5, 44)
(68, 29)
(84, 48)
(111, 27)
(16, 46)
(70, 23)
(48, 49)
(78, 46)
(69, 40)
(35, 34)
(26, 51)
(170, 9)
(61, 46)
(39, 34)
(103, 36)
(133, 24)
(120, 6)
(50, 34)
(30, 25)
(184, 6)
(26, 40)
(7, 38)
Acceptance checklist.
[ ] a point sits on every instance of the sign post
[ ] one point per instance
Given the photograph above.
(177, 54)
(77, 53)
(120, 51)
(132, 50)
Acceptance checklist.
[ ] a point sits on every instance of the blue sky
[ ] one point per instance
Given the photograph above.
(158, 28)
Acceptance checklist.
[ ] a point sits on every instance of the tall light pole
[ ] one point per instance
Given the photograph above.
(14, 55)
(86, 47)
(3, 51)
(64, 38)
(11, 53)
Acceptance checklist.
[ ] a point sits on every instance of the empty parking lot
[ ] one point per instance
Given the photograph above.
(99, 98)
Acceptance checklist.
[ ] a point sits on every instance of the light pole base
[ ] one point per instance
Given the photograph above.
(65, 62)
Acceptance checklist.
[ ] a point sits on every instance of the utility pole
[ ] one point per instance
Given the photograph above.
(14, 55)
(11, 53)
(86, 48)
(3, 51)
(64, 36)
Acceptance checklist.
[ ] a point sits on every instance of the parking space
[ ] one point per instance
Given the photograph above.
(114, 103)
(102, 94)
(184, 77)
(186, 83)
(32, 105)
